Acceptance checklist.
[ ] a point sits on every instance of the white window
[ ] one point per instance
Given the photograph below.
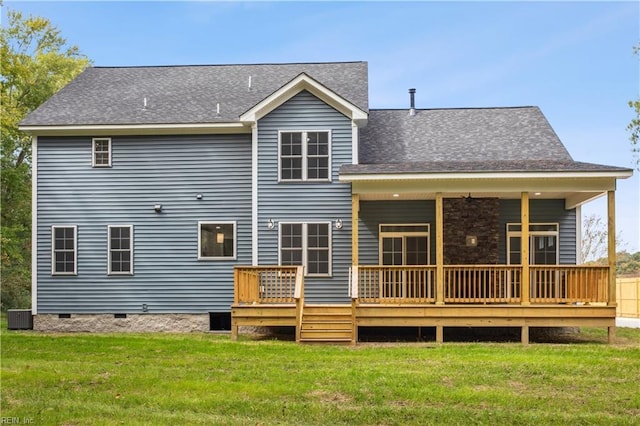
(304, 155)
(307, 244)
(101, 152)
(217, 240)
(543, 243)
(64, 250)
(120, 249)
(404, 244)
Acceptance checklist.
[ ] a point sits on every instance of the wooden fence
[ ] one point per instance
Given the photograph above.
(628, 297)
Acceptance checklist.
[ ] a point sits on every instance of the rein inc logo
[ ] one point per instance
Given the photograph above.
(16, 420)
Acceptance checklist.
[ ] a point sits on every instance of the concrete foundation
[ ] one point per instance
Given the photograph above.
(178, 323)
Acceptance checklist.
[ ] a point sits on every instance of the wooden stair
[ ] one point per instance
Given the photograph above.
(326, 324)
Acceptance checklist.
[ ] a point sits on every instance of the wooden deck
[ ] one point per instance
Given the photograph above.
(388, 296)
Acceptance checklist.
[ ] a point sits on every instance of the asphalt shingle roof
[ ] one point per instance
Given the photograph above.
(518, 139)
(464, 134)
(186, 94)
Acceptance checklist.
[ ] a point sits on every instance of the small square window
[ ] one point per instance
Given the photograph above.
(101, 152)
(217, 240)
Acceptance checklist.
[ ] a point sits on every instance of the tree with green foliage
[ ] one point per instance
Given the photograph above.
(634, 125)
(35, 62)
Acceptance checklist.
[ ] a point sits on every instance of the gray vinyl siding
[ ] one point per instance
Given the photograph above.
(374, 213)
(168, 277)
(306, 201)
(542, 211)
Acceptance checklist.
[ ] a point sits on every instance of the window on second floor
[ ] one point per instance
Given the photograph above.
(101, 152)
(304, 156)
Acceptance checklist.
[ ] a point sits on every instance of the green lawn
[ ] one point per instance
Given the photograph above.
(88, 379)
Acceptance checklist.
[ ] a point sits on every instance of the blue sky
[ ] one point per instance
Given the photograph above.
(572, 59)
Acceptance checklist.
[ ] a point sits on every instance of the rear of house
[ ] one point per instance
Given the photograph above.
(213, 197)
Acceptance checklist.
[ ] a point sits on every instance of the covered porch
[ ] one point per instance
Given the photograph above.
(513, 289)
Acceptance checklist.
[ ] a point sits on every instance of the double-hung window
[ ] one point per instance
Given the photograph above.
(305, 155)
(307, 244)
(101, 152)
(64, 247)
(120, 249)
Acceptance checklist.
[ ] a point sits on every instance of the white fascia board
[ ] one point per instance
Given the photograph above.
(482, 175)
(136, 129)
(295, 86)
(485, 184)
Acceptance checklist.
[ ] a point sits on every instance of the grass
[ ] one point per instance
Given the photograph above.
(89, 379)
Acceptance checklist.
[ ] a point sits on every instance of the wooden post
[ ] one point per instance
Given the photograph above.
(525, 292)
(439, 253)
(525, 335)
(355, 210)
(439, 334)
(611, 246)
(611, 253)
(354, 323)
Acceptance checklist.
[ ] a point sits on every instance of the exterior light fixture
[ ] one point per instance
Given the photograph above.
(198, 196)
(396, 195)
(157, 208)
(271, 224)
(339, 224)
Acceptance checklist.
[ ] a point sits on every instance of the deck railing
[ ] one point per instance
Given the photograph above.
(482, 283)
(553, 284)
(569, 284)
(395, 284)
(268, 284)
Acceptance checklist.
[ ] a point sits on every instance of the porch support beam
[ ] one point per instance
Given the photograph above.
(611, 245)
(439, 250)
(611, 253)
(355, 210)
(524, 249)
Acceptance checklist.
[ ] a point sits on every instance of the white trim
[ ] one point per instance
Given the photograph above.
(532, 234)
(219, 222)
(254, 196)
(305, 247)
(131, 249)
(305, 157)
(135, 129)
(53, 250)
(93, 152)
(404, 234)
(34, 225)
(482, 175)
(355, 141)
(295, 86)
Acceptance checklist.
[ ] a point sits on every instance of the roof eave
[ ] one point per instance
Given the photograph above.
(493, 175)
(134, 129)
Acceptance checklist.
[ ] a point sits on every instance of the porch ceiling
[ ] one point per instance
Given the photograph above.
(575, 190)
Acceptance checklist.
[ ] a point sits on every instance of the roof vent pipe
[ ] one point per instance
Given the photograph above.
(412, 94)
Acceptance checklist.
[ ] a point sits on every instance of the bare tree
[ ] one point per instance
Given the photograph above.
(594, 240)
